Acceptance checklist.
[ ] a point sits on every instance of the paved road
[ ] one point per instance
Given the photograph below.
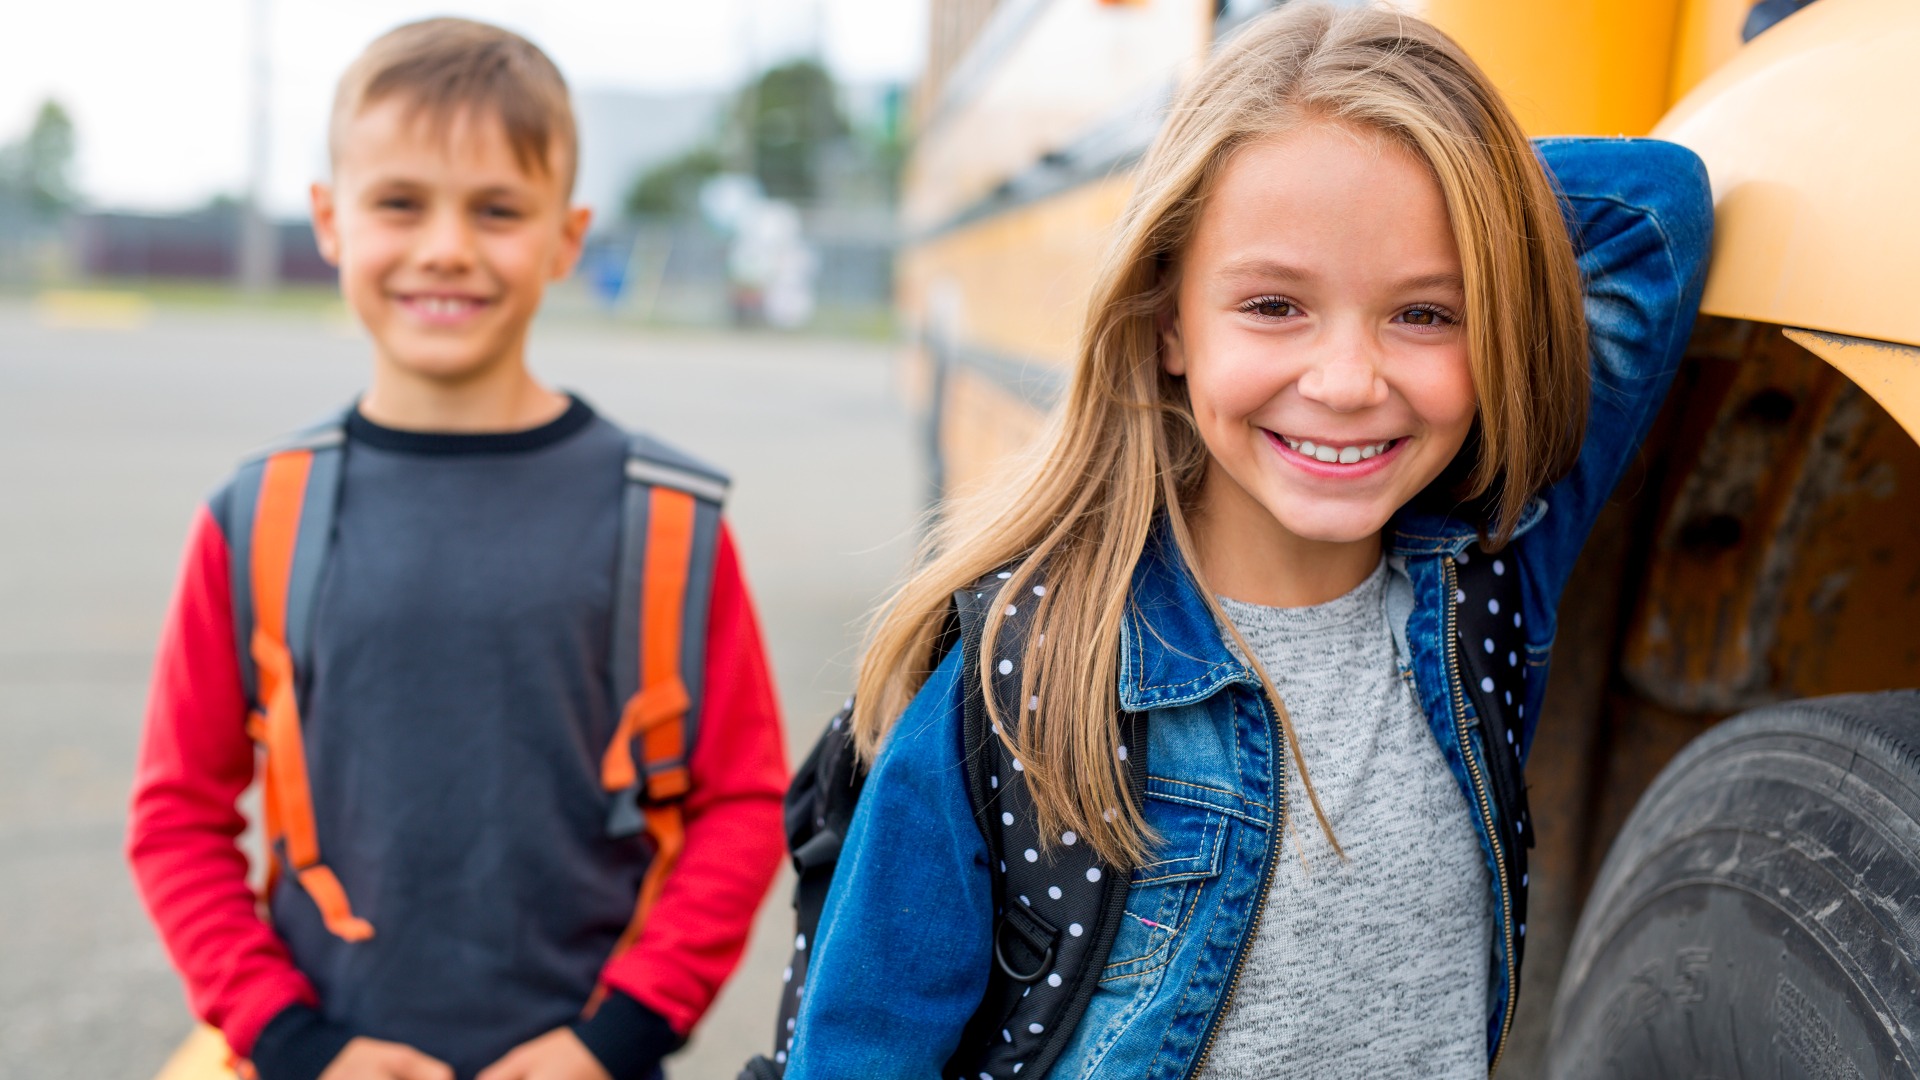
(108, 439)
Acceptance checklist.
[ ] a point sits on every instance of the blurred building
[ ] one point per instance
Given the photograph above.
(201, 244)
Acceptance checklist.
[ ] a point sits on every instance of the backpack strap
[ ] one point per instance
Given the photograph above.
(1493, 651)
(283, 513)
(670, 532)
(1057, 905)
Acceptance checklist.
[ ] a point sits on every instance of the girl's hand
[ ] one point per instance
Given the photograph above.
(557, 1055)
(374, 1059)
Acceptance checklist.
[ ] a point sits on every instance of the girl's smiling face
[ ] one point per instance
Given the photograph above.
(1317, 323)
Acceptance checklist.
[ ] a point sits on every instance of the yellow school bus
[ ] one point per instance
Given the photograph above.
(1765, 551)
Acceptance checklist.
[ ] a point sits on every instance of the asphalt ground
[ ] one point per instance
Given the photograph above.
(112, 430)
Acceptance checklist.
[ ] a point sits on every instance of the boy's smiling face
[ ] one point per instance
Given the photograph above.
(445, 243)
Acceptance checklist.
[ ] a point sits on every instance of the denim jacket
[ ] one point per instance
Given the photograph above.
(902, 953)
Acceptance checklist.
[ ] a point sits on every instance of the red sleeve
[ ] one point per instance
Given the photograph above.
(195, 760)
(734, 840)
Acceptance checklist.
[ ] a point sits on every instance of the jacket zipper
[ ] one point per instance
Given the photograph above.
(1486, 808)
(1275, 840)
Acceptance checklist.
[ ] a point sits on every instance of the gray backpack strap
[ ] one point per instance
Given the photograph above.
(326, 442)
(652, 469)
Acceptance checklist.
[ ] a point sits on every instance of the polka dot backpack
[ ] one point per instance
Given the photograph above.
(1056, 904)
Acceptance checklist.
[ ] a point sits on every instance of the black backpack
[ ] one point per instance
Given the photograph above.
(1056, 905)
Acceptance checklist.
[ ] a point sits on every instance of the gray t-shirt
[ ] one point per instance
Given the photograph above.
(1376, 965)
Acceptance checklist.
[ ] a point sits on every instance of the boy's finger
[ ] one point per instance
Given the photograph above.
(415, 1065)
(507, 1068)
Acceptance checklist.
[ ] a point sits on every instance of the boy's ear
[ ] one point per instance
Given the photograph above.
(1173, 355)
(573, 235)
(326, 230)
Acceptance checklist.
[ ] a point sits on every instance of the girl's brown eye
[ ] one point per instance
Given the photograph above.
(1420, 317)
(1271, 307)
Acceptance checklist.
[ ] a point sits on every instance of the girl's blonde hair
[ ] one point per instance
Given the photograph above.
(1123, 450)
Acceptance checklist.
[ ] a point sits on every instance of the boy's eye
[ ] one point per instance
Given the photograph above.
(398, 202)
(500, 213)
(1270, 307)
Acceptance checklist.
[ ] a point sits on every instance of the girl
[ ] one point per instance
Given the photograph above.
(1326, 460)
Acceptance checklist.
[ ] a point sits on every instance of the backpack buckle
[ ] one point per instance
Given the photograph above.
(624, 819)
(1034, 934)
(821, 849)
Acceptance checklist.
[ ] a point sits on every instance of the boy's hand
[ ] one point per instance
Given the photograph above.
(375, 1059)
(557, 1055)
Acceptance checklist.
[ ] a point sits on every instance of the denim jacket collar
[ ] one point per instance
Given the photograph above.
(1421, 533)
(1171, 650)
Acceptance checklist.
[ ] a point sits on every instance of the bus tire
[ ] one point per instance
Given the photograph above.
(1759, 914)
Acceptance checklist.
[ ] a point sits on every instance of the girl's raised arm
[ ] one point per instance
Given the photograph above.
(1641, 214)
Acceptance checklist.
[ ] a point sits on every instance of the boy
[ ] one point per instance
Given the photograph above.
(445, 756)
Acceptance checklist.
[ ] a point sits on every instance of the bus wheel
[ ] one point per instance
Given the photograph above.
(1759, 914)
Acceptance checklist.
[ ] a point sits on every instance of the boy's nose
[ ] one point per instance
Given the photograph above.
(1345, 376)
(446, 243)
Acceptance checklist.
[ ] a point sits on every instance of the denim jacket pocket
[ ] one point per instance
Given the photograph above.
(1163, 891)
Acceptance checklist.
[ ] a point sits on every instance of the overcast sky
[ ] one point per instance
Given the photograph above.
(158, 89)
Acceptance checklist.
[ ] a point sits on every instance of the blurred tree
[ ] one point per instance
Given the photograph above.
(38, 169)
(789, 114)
(787, 129)
(672, 188)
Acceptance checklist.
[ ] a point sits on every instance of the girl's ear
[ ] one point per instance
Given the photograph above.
(1173, 355)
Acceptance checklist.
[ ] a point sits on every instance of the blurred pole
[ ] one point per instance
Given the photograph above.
(259, 254)
(744, 128)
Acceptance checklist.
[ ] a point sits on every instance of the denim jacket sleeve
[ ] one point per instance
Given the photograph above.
(1641, 215)
(903, 948)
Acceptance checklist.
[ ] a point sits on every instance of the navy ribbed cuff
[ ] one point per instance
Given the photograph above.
(627, 1037)
(298, 1044)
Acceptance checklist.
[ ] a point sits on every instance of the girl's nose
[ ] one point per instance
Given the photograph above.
(1345, 376)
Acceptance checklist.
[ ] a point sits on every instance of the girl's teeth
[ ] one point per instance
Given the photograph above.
(1346, 455)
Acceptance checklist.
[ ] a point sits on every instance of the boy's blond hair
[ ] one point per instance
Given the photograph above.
(444, 68)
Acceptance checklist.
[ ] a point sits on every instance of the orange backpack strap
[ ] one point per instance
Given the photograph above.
(282, 527)
(670, 531)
